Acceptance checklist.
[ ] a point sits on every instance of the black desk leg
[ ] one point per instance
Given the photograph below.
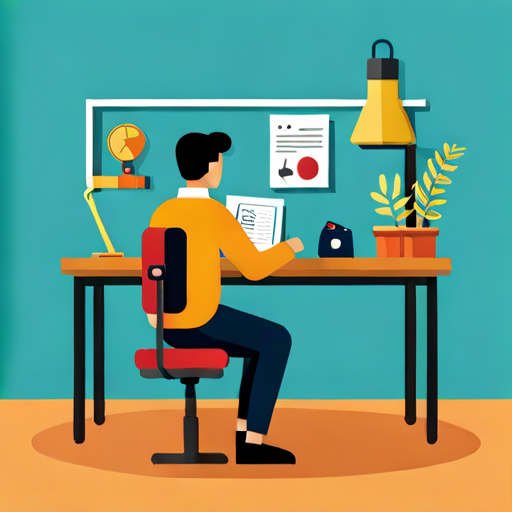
(79, 361)
(99, 355)
(432, 359)
(410, 352)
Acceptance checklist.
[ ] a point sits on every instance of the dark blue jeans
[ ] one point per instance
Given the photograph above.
(265, 347)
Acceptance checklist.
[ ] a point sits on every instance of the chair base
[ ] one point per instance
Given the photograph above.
(189, 458)
(191, 453)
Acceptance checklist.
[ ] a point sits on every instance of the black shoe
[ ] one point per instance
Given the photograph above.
(240, 436)
(249, 453)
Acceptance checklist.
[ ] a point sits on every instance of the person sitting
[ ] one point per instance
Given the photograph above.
(205, 323)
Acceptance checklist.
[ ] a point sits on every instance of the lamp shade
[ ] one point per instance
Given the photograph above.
(383, 120)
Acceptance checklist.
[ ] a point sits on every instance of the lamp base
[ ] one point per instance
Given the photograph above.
(108, 254)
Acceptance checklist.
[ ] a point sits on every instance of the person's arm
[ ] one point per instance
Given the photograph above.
(239, 249)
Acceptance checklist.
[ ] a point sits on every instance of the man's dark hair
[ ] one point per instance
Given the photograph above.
(195, 151)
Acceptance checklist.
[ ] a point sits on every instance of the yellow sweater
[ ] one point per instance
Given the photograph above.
(209, 225)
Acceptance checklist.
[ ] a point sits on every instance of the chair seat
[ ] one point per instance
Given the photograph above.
(180, 363)
(183, 358)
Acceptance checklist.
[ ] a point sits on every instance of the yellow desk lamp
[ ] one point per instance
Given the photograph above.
(125, 142)
(383, 120)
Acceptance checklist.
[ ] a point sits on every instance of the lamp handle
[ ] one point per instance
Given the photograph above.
(382, 41)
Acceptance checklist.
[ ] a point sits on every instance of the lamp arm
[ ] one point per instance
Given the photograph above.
(90, 201)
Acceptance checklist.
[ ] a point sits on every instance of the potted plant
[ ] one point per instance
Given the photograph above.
(420, 242)
(390, 241)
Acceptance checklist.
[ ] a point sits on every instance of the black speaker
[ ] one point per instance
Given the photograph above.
(336, 242)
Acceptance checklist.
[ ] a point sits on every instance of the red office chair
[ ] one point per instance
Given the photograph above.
(164, 289)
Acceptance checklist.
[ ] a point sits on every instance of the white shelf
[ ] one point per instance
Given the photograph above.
(90, 105)
(241, 103)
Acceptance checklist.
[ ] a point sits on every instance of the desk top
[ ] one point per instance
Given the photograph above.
(299, 267)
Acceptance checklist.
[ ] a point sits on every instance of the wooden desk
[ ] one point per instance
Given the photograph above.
(407, 272)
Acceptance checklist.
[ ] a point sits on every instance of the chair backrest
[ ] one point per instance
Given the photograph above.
(166, 247)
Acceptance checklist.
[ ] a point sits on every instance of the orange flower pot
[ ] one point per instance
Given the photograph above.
(403, 242)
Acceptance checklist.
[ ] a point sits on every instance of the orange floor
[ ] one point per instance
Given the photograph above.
(351, 456)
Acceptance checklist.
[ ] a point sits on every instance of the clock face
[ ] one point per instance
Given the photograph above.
(125, 142)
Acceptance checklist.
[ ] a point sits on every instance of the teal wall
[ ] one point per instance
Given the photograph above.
(347, 342)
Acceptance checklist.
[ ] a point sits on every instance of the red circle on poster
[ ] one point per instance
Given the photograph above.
(307, 168)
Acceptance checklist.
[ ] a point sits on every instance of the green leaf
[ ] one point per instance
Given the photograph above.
(432, 168)
(432, 215)
(384, 211)
(449, 168)
(383, 184)
(436, 202)
(379, 198)
(397, 187)
(401, 202)
(420, 193)
(404, 214)
(421, 213)
(435, 191)
(439, 160)
(427, 181)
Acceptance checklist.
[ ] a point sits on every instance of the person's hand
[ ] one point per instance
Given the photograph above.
(295, 244)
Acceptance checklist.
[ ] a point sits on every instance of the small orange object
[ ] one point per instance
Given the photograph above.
(108, 254)
(125, 142)
(127, 181)
(105, 182)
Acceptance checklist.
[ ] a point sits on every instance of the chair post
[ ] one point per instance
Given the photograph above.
(190, 420)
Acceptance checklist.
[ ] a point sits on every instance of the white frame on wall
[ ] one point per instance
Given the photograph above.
(90, 105)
